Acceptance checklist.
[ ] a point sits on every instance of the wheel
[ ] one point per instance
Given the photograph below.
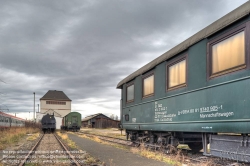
(195, 146)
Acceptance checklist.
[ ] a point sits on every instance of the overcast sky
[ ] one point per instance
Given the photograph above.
(86, 47)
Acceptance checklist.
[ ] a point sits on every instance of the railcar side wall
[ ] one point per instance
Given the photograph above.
(220, 104)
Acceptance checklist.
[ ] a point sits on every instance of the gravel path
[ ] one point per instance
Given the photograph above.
(111, 155)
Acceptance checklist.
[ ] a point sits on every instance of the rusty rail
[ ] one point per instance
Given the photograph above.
(36, 145)
(64, 147)
(31, 151)
(110, 139)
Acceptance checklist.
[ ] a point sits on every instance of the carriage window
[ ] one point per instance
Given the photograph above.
(126, 117)
(148, 86)
(130, 93)
(177, 74)
(227, 54)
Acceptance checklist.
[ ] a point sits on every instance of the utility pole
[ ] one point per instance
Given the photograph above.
(37, 107)
(34, 107)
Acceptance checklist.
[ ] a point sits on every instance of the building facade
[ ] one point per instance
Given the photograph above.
(99, 121)
(54, 102)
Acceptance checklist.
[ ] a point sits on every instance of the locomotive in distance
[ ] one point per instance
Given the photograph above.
(48, 123)
(196, 93)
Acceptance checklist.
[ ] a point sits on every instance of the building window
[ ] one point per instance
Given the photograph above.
(176, 74)
(227, 53)
(130, 93)
(148, 85)
(56, 102)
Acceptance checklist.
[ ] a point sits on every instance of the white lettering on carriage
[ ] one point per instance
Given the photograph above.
(161, 113)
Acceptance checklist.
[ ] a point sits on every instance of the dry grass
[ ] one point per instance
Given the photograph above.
(94, 138)
(183, 146)
(68, 141)
(157, 155)
(90, 160)
(33, 137)
(176, 157)
(13, 135)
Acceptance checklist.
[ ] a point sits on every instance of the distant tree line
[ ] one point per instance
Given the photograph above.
(115, 117)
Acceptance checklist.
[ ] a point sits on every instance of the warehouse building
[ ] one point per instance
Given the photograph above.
(54, 102)
(99, 121)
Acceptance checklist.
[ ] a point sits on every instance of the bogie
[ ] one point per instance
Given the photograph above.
(165, 139)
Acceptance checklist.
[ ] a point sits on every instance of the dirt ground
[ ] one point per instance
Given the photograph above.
(113, 132)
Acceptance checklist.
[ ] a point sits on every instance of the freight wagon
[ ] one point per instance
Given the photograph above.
(196, 93)
(72, 121)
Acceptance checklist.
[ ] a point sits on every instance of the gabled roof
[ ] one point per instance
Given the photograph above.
(11, 116)
(92, 116)
(221, 23)
(55, 95)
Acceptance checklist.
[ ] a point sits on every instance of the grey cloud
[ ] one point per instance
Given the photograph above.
(86, 47)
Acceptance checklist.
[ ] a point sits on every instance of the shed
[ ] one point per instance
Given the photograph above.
(99, 121)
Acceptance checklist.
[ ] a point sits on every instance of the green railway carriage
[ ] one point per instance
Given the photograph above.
(72, 121)
(195, 92)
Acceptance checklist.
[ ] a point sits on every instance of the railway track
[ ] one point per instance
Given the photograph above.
(188, 156)
(109, 139)
(48, 150)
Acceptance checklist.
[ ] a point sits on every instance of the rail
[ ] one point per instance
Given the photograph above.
(31, 151)
(65, 149)
(110, 139)
(22, 163)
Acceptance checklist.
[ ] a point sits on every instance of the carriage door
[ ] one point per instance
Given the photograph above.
(74, 120)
